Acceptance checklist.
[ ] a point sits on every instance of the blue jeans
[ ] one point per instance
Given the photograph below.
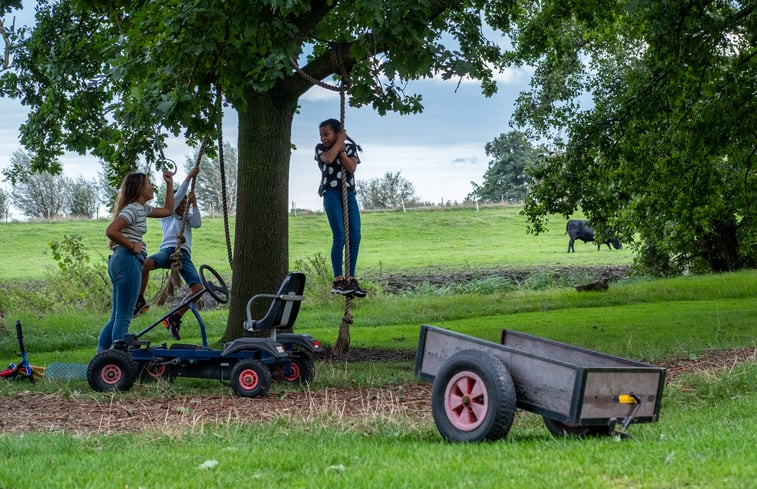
(332, 204)
(188, 272)
(125, 272)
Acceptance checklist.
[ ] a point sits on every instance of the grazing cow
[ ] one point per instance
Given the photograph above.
(579, 229)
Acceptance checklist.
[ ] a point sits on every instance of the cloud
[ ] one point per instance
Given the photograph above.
(319, 94)
(510, 76)
(439, 172)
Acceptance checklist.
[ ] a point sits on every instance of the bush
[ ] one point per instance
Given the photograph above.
(77, 282)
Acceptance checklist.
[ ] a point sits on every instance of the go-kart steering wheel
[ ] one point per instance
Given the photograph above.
(217, 292)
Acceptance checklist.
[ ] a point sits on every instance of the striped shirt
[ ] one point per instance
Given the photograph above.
(135, 215)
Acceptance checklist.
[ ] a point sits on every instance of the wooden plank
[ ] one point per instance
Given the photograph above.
(564, 352)
(603, 386)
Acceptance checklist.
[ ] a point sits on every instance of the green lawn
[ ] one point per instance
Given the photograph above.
(704, 438)
(393, 242)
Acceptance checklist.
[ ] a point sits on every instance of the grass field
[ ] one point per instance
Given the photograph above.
(393, 242)
(704, 439)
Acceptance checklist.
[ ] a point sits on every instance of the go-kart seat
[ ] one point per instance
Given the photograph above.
(284, 307)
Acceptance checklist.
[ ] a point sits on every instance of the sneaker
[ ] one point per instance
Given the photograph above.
(173, 323)
(355, 288)
(140, 307)
(339, 287)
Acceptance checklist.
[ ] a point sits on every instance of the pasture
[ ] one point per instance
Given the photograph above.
(393, 242)
(365, 424)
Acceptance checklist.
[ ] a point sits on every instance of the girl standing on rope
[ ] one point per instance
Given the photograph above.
(337, 153)
(129, 251)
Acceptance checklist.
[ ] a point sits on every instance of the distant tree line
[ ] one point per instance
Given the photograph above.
(47, 196)
(392, 191)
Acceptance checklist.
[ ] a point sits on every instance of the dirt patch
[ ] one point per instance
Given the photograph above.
(91, 413)
(397, 282)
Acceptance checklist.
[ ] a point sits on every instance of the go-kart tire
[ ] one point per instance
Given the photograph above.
(150, 373)
(111, 370)
(250, 378)
(302, 370)
(560, 429)
(473, 398)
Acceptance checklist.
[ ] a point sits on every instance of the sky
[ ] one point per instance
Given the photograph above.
(440, 151)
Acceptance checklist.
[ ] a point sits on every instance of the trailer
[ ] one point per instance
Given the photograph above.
(478, 384)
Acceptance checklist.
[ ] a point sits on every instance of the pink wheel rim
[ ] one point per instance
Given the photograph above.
(466, 401)
(295, 369)
(156, 371)
(111, 374)
(248, 379)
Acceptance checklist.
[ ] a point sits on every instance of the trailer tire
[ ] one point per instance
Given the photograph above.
(250, 378)
(111, 370)
(473, 398)
(560, 429)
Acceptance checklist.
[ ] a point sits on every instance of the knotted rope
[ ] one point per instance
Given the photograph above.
(174, 279)
(342, 344)
(219, 111)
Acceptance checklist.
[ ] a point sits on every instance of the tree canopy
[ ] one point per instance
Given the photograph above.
(663, 154)
(39, 195)
(388, 192)
(649, 104)
(114, 78)
(506, 178)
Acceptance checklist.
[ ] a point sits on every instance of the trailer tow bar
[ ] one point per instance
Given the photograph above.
(636, 402)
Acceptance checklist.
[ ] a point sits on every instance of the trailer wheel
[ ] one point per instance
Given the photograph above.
(301, 370)
(111, 370)
(473, 398)
(250, 378)
(560, 429)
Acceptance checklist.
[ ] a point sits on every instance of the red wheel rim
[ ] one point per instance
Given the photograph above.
(156, 371)
(295, 372)
(466, 401)
(111, 374)
(248, 379)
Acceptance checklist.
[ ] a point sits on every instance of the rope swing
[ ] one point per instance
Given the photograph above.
(342, 345)
(174, 281)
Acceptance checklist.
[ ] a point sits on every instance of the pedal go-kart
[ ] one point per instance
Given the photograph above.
(249, 364)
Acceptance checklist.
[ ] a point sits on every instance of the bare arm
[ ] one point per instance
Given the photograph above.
(113, 231)
(167, 208)
(337, 152)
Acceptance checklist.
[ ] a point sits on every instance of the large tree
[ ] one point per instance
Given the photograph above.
(82, 197)
(388, 192)
(102, 76)
(39, 195)
(665, 154)
(506, 178)
(4, 205)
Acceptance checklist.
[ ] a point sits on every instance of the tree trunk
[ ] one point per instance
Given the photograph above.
(261, 250)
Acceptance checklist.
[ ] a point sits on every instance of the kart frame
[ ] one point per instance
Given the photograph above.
(249, 364)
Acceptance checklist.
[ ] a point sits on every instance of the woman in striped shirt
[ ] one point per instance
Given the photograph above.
(125, 233)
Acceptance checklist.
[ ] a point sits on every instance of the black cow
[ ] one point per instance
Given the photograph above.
(579, 229)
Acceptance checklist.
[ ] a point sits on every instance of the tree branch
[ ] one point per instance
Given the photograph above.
(8, 45)
(322, 66)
